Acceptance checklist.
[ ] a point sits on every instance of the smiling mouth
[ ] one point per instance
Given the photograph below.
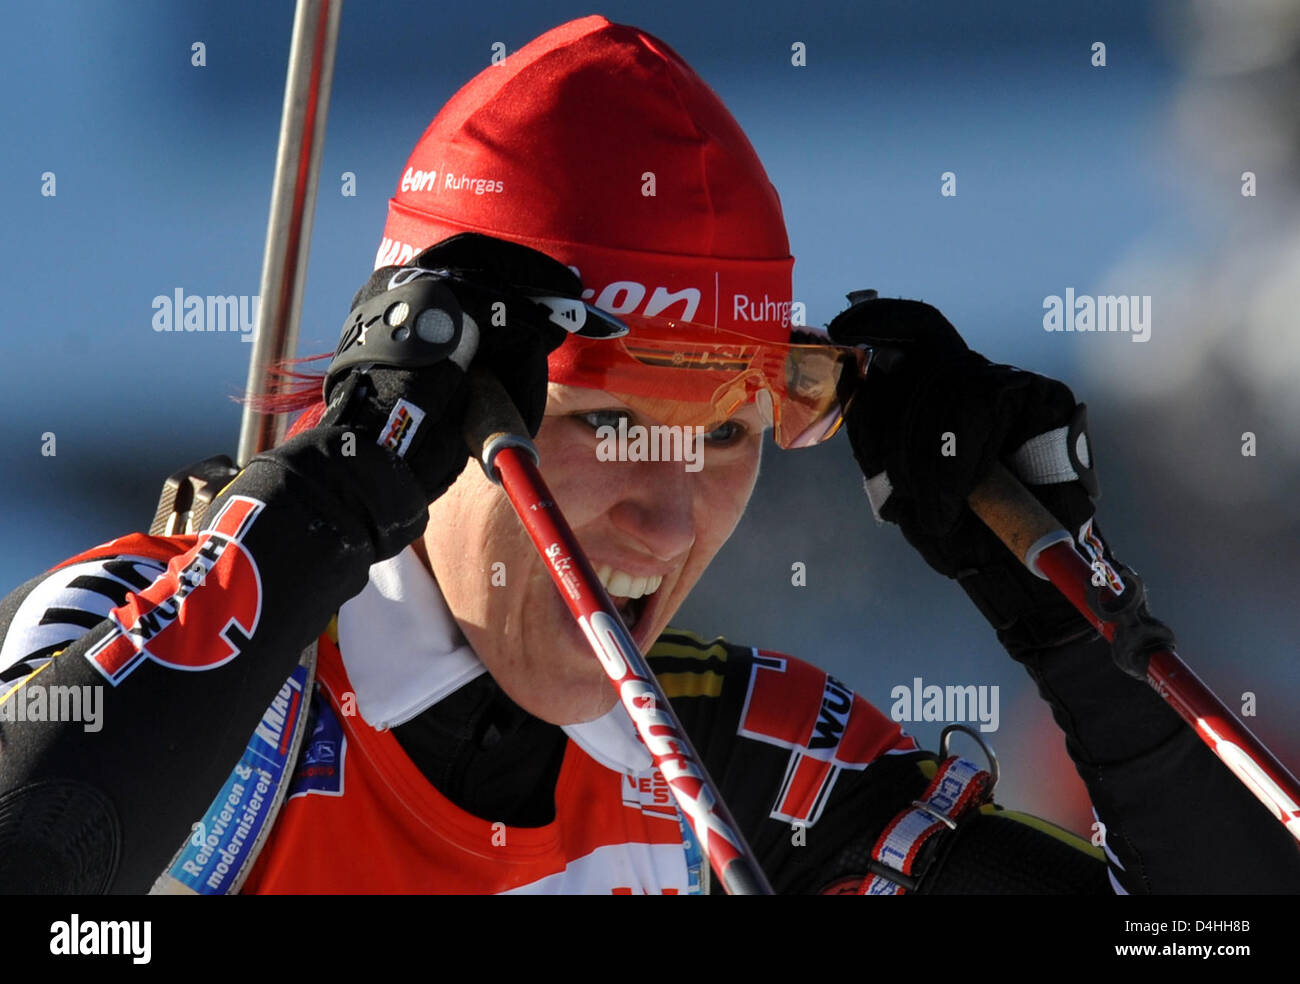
(630, 611)
(631, 595)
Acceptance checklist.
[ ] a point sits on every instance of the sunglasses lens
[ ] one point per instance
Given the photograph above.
(700, 376)
(819, 380)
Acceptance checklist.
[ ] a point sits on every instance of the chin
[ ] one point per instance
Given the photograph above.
(564, 683)
(600, 701)
(587, 690)
(567, 683)
(583, 697)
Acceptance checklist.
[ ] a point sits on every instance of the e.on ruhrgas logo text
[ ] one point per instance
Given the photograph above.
(150, 626)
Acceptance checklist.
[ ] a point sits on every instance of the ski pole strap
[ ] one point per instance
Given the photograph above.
(960, 787)
(1059, 455)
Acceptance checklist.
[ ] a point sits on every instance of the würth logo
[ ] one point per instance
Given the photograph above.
(826, 728)
(158, 624)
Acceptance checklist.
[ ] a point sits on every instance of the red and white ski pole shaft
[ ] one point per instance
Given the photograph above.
(497, 436)
(1035, 536)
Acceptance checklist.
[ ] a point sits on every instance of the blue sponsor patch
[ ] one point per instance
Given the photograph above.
(220, 842)
(320, 764)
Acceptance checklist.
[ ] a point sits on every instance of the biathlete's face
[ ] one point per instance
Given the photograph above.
(649, 527)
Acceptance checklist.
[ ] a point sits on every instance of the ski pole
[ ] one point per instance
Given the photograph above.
(498, 438)
(1036, 537)
(293, 205)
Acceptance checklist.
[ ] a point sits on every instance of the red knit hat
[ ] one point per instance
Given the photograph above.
(598, 145)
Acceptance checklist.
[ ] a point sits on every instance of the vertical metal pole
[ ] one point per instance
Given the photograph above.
(293, 205)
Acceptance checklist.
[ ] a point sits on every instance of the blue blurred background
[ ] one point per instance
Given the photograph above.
(1117, 179)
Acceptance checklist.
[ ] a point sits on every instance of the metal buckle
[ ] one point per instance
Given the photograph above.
(988, 752)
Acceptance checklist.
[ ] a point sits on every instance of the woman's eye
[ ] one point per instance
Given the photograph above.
(603, 418)
(724, 435)
(728, 432)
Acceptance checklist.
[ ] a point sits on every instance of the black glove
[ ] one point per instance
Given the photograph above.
(398, 375)
(927, 423)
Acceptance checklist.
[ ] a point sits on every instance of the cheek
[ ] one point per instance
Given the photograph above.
(583, 486)
(589, 493)
(478, 550)
(736, 485)
(723, 495)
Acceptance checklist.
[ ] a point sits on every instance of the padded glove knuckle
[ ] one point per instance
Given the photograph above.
(398, 374)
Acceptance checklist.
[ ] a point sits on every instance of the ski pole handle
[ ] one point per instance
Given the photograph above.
(492, 423)
(497, 437)
(1036, 537)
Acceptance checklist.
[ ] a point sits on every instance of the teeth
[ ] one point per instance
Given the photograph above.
(621, 584)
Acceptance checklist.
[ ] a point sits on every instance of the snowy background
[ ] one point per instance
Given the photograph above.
(1122, 179)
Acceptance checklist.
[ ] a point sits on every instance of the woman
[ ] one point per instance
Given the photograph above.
(458, 736)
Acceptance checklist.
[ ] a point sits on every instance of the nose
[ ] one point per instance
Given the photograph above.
(657, 508)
